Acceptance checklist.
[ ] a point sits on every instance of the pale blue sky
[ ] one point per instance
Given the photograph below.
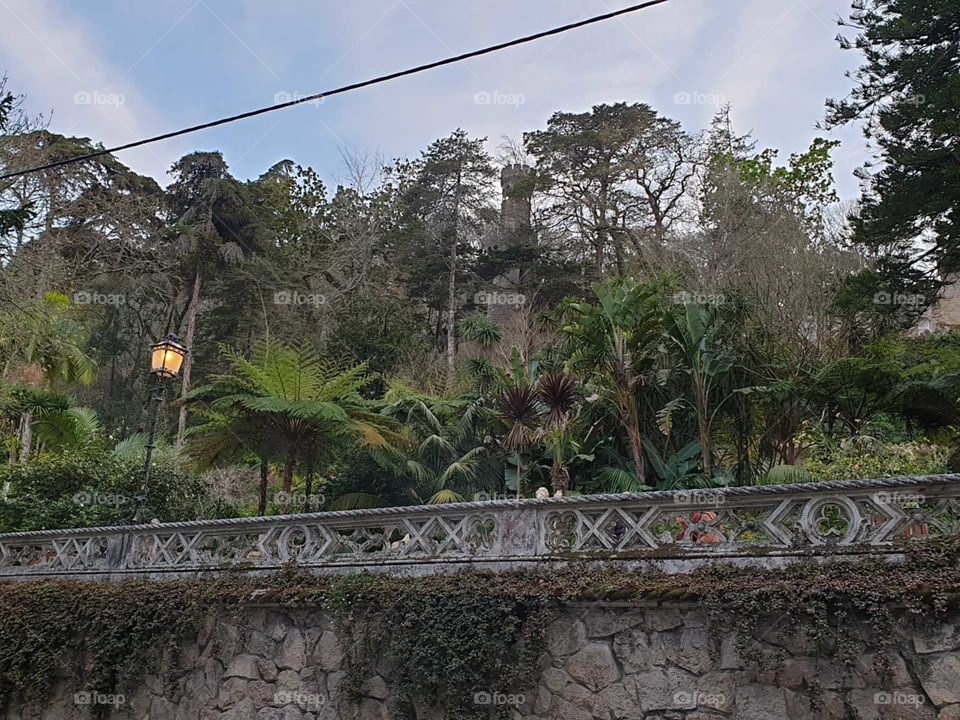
(179, 62)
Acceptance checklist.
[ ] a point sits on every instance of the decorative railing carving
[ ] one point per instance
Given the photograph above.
(823, 518)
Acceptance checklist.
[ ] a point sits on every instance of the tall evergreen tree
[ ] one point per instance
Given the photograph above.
(908, 93)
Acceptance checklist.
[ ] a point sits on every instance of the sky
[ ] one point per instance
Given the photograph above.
(116, 71)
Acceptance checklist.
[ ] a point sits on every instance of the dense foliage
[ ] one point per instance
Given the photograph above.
(651, 306)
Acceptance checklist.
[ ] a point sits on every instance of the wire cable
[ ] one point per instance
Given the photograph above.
(342, 89)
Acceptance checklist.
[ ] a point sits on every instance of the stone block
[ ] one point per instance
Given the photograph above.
(659, 619)
(328, 654)
(268, 669)
(940, 677)
(936, 638)
(760, 702)
(243, 666)
(666, 689)
(565, 636)
(594, 666)
(604, 622)
(293, 653)
(243, 710)
(632, 649)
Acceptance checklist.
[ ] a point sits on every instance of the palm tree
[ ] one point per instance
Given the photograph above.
(446, 457)
(42, 346)
(55, 422)
(613, 342)
(693, 334)
(287, 403)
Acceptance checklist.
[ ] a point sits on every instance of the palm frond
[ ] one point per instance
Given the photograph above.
(357, 501)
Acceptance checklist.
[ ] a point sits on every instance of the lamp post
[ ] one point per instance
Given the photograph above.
(166, 357)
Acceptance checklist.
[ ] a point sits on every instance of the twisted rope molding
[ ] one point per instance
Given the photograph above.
(658, 497)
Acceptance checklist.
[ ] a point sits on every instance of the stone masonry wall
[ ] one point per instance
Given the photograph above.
(656, 662)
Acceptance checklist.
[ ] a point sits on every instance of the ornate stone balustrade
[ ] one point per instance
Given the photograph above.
(668, 529)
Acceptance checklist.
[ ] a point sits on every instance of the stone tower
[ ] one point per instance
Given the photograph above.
(513, 233)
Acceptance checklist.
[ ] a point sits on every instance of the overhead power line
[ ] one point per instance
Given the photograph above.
(342, 89)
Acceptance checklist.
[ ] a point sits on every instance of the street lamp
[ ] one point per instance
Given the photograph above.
(166, 357)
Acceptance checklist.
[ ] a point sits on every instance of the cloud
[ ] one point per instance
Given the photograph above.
(775, 62)
(55, 63)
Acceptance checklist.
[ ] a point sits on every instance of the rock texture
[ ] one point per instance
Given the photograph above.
(602, 663)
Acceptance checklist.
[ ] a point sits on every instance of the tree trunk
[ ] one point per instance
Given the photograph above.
(452, 284)
(636, 451)
(631, 424)
(188, 360)
(519, 473)
(262, 504)
(26, 435)
(288, 468)
(560, 478)
(309, 485)
(451, 315)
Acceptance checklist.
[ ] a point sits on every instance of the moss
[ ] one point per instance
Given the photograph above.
(452, 634)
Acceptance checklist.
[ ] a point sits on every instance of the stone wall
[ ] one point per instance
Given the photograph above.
(653, 662)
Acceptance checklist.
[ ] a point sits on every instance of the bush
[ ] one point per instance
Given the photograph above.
(866, 458)
(94, 487)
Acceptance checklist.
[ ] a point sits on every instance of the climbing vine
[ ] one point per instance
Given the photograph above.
(442, 639)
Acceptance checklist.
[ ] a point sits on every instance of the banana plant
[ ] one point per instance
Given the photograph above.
(692, 334)
(613, 343)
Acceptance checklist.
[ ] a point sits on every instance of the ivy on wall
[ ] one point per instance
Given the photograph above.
(450, 635)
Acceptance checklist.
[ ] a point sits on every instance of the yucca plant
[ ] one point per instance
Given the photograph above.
(518, 409)
(558, 392)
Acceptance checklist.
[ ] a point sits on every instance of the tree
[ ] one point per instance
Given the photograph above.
(613, 342)
(449, 460)
(906, 94)
(215, 226)
(300, 404)
(16, 213)
(42, 345)
(618, 177)
(450, 202)
(558, 393)
(693, 333)
(762, 234)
